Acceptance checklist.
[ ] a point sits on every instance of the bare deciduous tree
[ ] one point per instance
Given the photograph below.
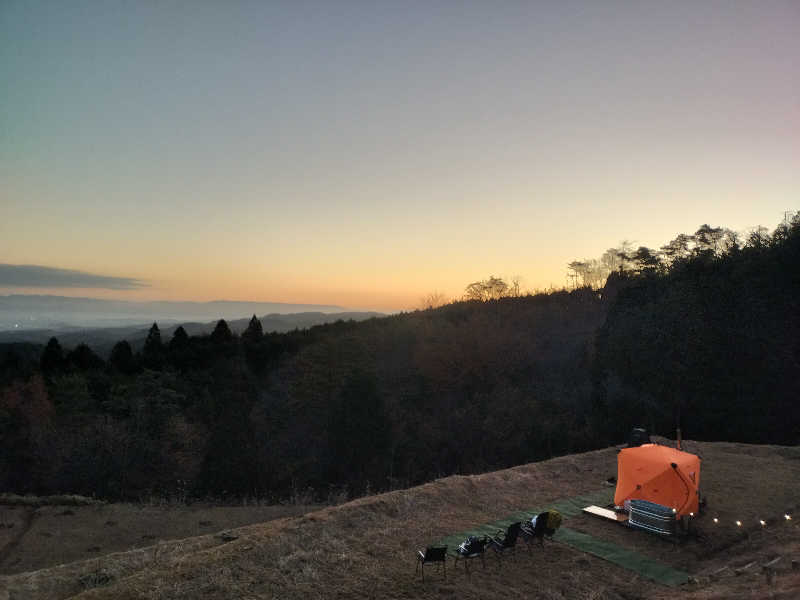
(488, 289)
(433, 299)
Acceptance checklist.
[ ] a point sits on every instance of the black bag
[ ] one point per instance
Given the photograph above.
(638, 437)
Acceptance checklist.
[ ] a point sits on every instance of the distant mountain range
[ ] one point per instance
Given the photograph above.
(60, 312)
(103, 339)
(102, 323)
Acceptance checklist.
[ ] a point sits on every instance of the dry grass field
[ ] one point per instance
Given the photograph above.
(38, 537)
(365, 548)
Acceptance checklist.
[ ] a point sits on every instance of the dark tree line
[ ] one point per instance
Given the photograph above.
(706, 334)
(347, 405)
(138, 423)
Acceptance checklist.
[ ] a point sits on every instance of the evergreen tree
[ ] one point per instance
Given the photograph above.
(152, 345)
(52, 358)
(222, 332)
(180, 352)
(153, 351)
(83, 358)
(256, 347)
(180, 339)
(122, 359)
(254, 331)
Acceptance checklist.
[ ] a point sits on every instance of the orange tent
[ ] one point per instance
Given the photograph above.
(659, 474)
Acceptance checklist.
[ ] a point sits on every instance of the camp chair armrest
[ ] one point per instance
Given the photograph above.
(527, 528)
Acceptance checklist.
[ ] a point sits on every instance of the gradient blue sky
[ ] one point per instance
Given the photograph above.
(367, 153)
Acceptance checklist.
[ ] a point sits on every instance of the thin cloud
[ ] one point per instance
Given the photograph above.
(50, 277)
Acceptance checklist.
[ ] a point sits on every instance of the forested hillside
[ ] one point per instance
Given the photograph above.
(704, 331)
(346, 406)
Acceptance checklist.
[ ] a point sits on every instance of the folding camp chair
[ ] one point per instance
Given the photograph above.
(432, 554)
(472, 547)
(505, 542)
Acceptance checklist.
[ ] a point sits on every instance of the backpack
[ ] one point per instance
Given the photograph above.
(553, 520)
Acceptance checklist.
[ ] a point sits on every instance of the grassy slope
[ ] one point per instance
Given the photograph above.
(45, 536)
(365, 548)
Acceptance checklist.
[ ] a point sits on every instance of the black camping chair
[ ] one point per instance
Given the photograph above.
(539, 532)
(505, 542)
(472, 547)
(432, 554)
(638, 437)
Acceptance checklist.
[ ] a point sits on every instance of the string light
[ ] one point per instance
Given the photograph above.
(739, 523)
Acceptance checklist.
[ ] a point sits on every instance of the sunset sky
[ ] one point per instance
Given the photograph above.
(367, 153)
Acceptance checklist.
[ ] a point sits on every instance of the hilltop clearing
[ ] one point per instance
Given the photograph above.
(365, 548)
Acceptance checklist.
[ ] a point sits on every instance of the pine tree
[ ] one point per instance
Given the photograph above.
(53, 357)
(222, 332)
(121, 358)
(153, 342)
(254, 331)
(179, 339)
(153, 351)
(83, 358)
(180, 350)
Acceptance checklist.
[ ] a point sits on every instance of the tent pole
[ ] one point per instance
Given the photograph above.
(686, 485)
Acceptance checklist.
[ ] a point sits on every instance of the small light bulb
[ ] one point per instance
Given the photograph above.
(787, 517)
(691, 514)
(716, 520)
(738, 523)
(762, 522)
(674, 510)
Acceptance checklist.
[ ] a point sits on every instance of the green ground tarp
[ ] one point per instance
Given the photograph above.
(570, 507)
